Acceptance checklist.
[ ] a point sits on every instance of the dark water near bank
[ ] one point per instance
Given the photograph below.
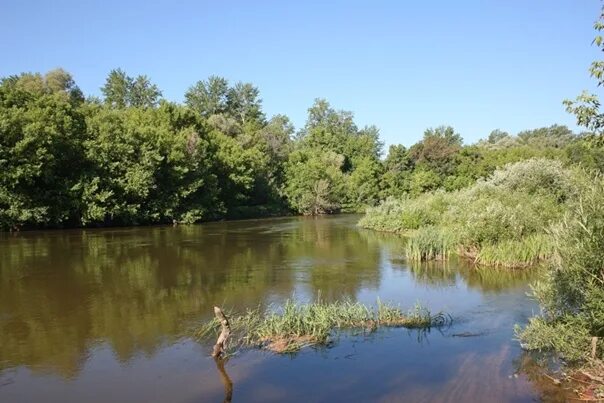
(106, 315)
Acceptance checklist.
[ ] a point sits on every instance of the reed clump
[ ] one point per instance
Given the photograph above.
(295, 325)
(430, 243)
(512, 253)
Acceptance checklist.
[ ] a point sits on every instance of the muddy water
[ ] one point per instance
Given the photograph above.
(107, 315)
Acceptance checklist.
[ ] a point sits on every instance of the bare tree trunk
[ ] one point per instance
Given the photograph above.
(594, 347)
(220, 346)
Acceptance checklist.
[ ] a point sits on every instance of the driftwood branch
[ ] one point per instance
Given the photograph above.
(225, 332)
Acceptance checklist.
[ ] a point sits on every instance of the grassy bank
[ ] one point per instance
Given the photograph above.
(503, 220)
(298, 325)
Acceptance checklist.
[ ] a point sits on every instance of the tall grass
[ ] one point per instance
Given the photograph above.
(298, 325)
(502, 220)
(429, 243)
(512, 253)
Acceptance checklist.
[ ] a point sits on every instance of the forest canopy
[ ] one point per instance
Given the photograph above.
(132, 157)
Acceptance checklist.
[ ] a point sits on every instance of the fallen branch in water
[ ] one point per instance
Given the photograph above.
(298, 325)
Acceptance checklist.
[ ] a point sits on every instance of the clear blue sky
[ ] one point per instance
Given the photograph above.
(401, 65)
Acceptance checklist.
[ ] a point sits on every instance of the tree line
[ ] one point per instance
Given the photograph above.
(131, 157)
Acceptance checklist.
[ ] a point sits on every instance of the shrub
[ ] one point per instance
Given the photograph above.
(488, 216)
(572, 293)
(536, 176)
(502, 220)
(400, 215)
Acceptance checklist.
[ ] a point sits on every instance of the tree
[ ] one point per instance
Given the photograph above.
(41, 136)
(327, 133)
(143, 94)
(244, 104)
(436, 151)
(364, 183)
(117, 89)
(397, 170)
(147, 165)
(555, 136)
(422, 181)
(315, 182)
(586, 107)
(121, 91)
(208, 97)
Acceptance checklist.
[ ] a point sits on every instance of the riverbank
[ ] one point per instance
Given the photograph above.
(503, 221)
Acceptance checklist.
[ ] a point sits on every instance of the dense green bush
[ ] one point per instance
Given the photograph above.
(487, 217)
(572, 292)
(41, 149)
(400, 215)
(501, 220)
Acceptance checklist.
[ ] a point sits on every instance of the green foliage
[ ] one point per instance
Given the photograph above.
(569, 337)
(335, 165)
(586, 107)
(397, 169)
(501, 220)
(422, 181)
(215, 97)
(41, 134)
(436, 152)
(572, 293)
(133, 159)
(402, 215)
(121, 91)
(208, 97)
(315, 181)
(146, 165)
(136, 159)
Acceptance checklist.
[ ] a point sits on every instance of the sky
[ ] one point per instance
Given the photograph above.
(404, 66)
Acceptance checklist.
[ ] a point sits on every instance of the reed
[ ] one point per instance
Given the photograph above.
(429, 243)
(295, 326)
(525, 252)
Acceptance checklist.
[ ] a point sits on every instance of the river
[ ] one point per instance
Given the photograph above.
(107, 315)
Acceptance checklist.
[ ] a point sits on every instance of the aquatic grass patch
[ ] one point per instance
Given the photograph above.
(430, 243)
(511, 253)
(295, 325)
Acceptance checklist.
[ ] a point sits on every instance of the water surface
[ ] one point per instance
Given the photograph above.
(107, 315)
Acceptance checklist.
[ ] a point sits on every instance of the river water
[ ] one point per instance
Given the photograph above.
(107, 315)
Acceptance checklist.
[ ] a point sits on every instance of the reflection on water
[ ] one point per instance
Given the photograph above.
(97, 315)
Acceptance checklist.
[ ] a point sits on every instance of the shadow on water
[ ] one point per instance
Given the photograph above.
(81, 310)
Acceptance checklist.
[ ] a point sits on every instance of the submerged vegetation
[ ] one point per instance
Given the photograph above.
(298, 325)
